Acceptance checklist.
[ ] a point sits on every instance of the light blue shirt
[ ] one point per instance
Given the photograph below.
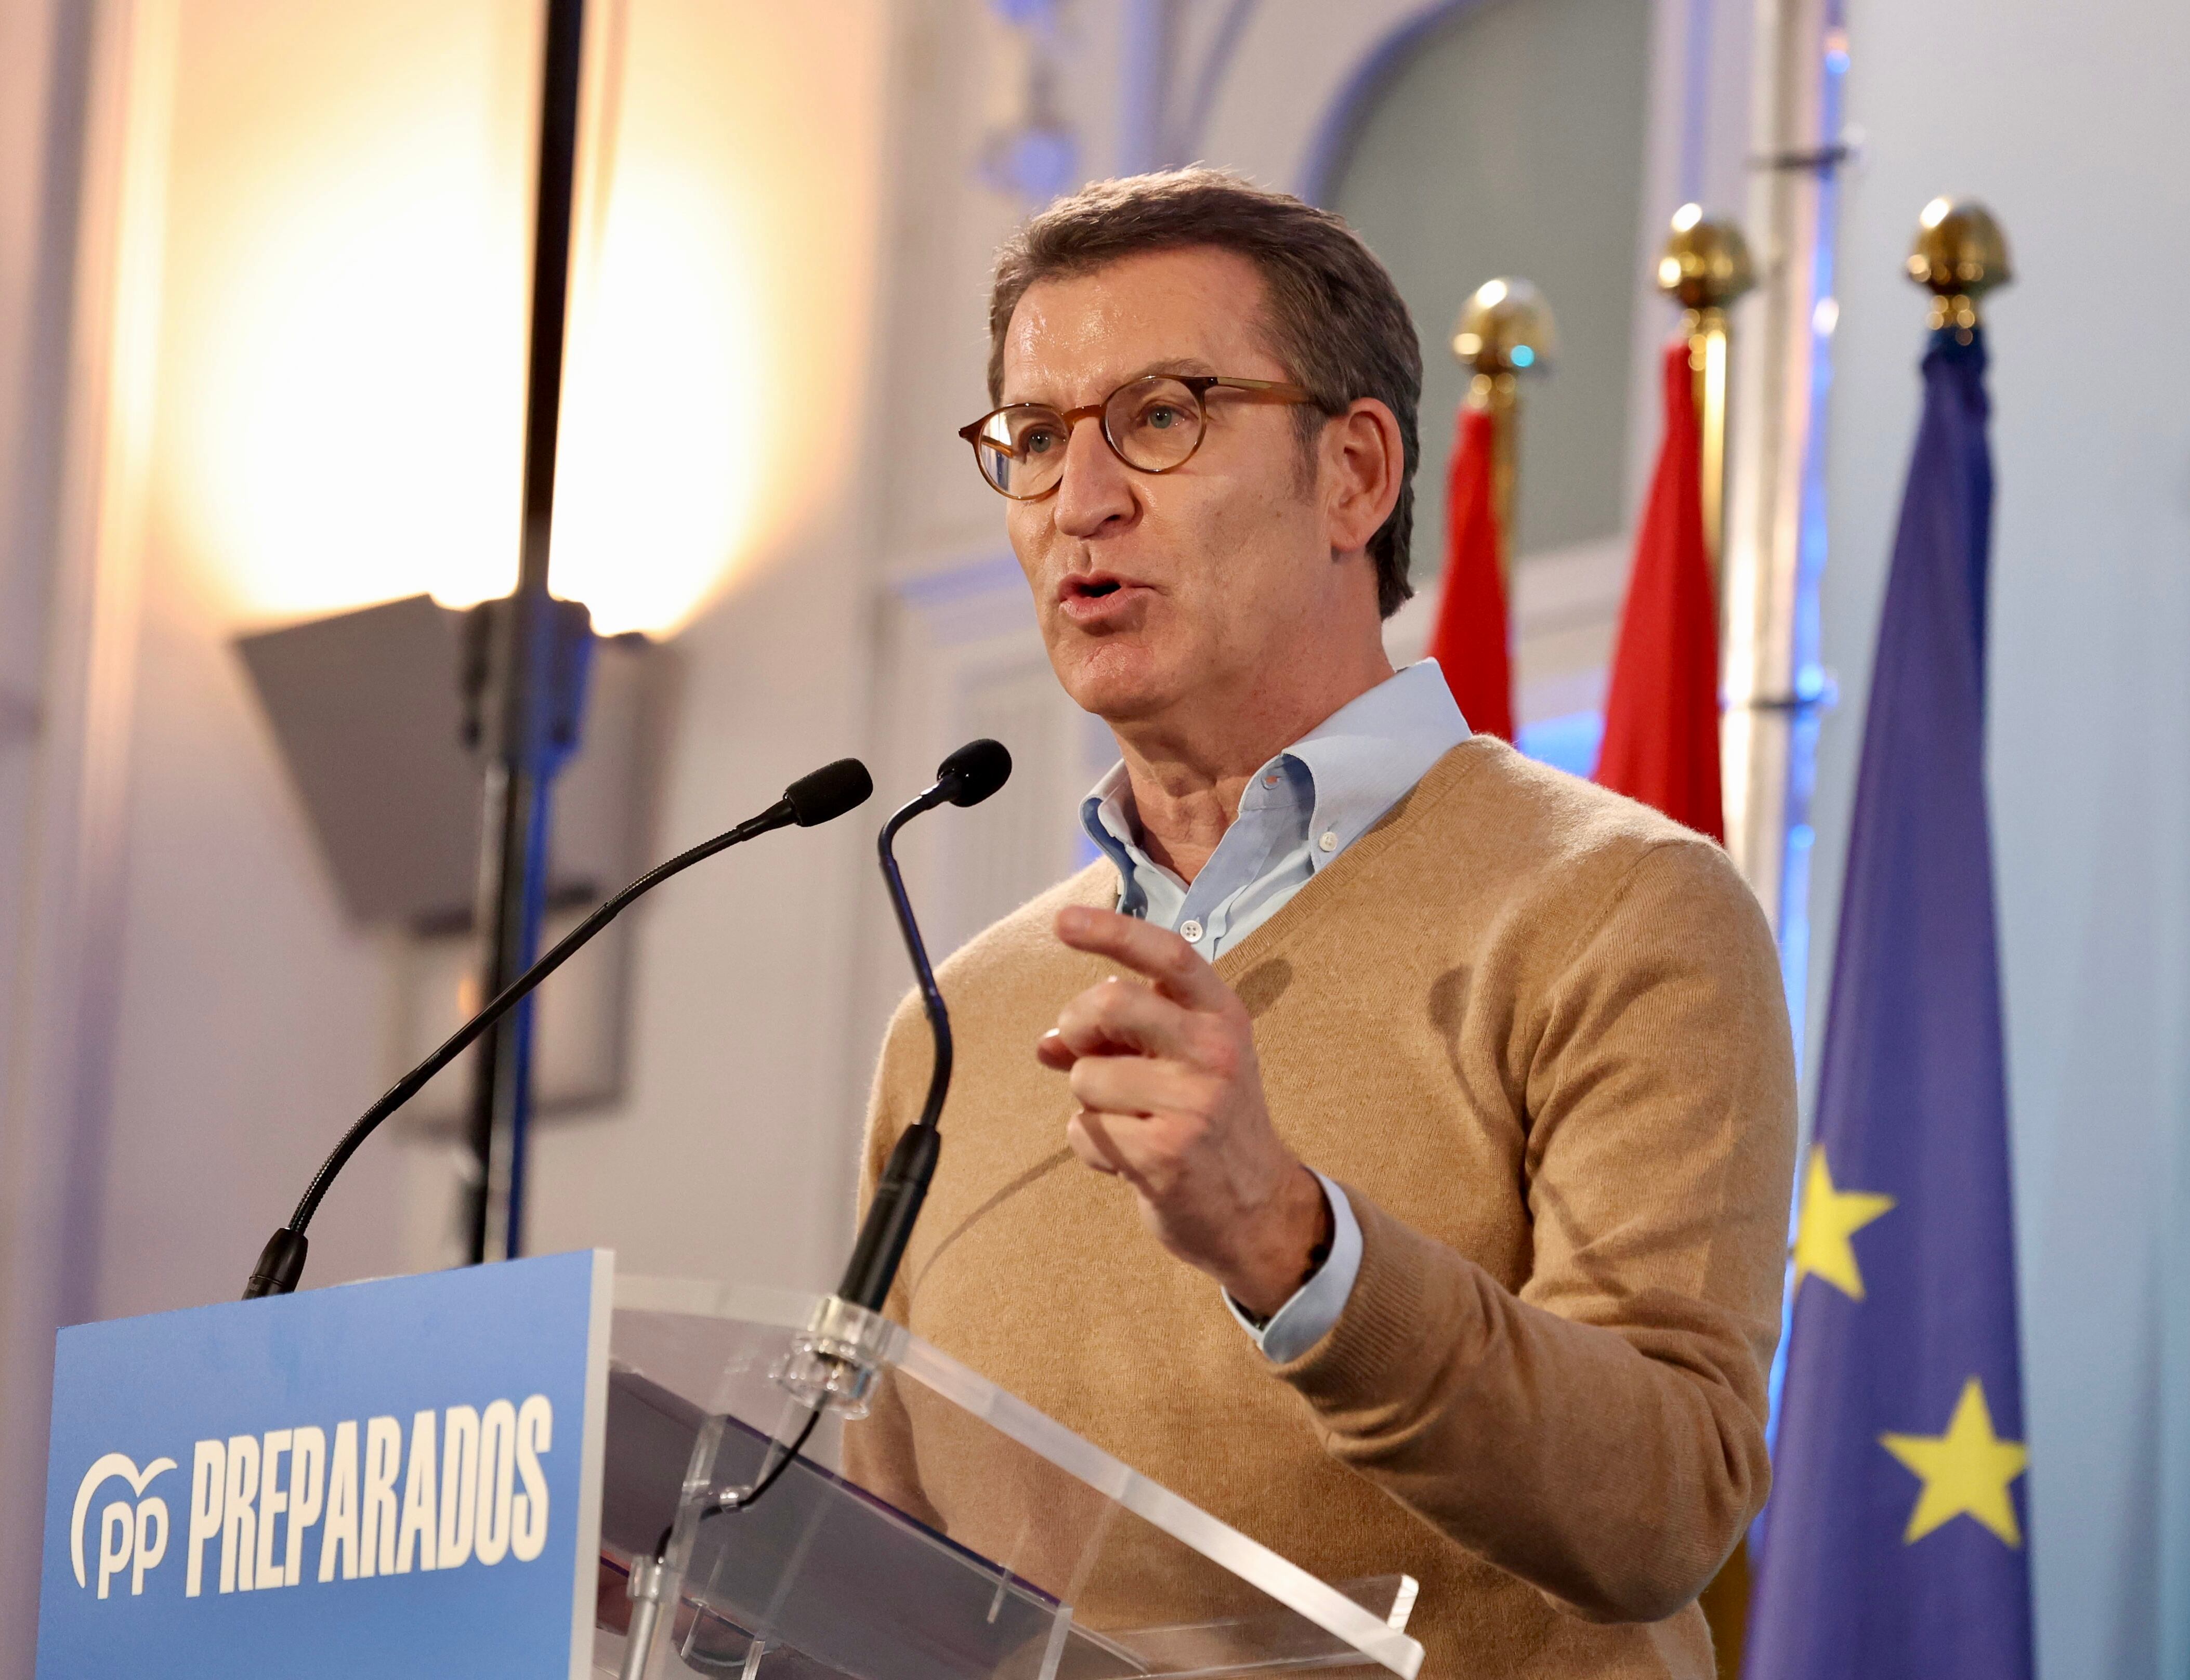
(1298, 815)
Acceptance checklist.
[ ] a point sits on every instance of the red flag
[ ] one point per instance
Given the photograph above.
(1661, 715)
(1470, 640)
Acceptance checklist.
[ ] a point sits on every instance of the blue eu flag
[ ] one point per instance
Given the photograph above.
(1894, 1544)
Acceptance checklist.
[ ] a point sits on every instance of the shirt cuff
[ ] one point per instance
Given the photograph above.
(1308, 1316)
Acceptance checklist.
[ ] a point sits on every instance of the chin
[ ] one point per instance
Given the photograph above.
(1119, 683)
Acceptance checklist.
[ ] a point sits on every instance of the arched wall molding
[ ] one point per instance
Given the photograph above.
(1283, 116)
(1356, 94)
(1697, 143)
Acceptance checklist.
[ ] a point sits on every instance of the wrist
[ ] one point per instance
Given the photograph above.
(1292, 1241)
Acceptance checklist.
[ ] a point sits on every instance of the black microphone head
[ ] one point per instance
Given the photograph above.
(974, 771)
(825, 794)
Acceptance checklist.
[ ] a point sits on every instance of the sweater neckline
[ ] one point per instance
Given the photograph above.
(1437, 784)
(1099, 885)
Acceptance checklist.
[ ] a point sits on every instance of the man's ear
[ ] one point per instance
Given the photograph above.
(1363, 461)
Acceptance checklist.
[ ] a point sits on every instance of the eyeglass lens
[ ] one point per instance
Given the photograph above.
(1154, 425)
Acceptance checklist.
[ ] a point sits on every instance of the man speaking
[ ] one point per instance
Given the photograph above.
(1387, 1144)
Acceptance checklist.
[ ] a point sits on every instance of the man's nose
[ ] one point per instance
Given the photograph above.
(1095, 498)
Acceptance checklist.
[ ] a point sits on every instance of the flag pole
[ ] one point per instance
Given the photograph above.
(1505, 331)
(1704, 269)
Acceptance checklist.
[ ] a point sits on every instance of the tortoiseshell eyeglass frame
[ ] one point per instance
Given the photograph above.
(1198, 384)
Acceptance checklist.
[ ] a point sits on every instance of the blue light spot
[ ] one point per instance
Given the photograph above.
(1567, 743)
(1523, 356)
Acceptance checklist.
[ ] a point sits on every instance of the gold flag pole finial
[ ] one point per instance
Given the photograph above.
(1505, 331)
(1704, 268)
(1960, 255)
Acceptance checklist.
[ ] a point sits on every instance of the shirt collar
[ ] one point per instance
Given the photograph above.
(1366, 755)
(1361, 760)
(1106, 814)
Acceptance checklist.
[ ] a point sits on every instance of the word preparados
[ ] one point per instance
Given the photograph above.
(472, 1488)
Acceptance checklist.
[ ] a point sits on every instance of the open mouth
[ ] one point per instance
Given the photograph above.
(1100, 602)
(1092, 587)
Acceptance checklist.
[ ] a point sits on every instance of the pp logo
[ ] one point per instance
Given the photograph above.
(130, 1537)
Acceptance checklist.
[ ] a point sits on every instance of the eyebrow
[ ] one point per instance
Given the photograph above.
(1146, 371)
(1171, 365)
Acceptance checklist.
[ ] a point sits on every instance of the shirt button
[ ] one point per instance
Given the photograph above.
(1191, 932)
(1329, 842)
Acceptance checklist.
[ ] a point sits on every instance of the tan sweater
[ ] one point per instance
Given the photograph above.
(1537, 1032)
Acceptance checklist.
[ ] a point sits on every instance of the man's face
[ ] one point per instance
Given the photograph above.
(1156, 591)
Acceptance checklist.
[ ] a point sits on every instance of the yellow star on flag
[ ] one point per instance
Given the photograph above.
(1830, 1218)
(1967, 1470)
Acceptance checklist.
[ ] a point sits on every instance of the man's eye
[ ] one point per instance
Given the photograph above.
(1162, 417)
(1039, 441)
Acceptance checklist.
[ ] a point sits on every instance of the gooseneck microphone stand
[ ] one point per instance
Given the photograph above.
(819, 797)
(967, 777)
(831, 1362)
(525, 691)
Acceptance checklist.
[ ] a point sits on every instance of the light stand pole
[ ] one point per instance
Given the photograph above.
(524, 688)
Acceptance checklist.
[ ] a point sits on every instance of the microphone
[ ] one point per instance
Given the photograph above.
(967, 777)
(819, 797)
(972, 774)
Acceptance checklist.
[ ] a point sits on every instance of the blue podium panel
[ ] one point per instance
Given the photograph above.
(400, 1478)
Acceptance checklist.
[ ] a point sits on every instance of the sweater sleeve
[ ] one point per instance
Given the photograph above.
(1600, 1433)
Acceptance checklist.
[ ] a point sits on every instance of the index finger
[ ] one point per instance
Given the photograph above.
(1159, 955)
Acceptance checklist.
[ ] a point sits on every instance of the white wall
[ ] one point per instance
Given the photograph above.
(254, 1019)
(2069, 122)
(168, 1090)
(37, 142)
(250, 1020)
(731, 1156)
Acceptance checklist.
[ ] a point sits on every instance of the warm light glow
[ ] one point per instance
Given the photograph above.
(355, 432)
(1686, 217)
(391, 343)
(662, 437)
(343, 344)
(1935, 212)
(344, 338)
(1491, 293)
(1668, 271)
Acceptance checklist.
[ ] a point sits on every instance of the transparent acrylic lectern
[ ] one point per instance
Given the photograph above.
(934, 1529)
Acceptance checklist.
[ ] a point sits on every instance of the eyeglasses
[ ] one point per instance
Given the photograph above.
(1153, 425)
